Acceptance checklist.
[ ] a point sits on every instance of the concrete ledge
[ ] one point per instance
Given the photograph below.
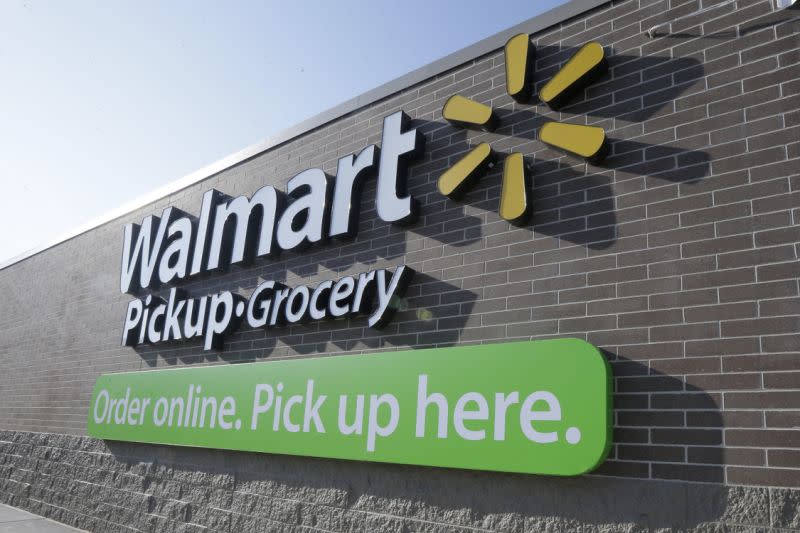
(17, 520)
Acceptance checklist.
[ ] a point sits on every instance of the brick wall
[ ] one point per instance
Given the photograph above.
(678, 256)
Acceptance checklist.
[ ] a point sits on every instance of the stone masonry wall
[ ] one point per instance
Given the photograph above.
(678, 256)
(123, 487)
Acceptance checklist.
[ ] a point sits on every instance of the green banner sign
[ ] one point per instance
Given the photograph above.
(541, 407)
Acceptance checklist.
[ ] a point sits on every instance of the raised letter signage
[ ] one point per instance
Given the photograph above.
(174, 246)
(540, 407)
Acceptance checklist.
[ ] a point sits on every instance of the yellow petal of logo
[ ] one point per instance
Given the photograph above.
(520, 57)
(465, 113)
(588, 142)
(587, 62)
(514, 199)
(462, 175)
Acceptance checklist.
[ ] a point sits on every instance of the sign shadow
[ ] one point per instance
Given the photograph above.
(478, 499)
(572, 201)
(432, 313)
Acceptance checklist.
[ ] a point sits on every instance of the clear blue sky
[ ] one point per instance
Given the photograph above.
(102, 102)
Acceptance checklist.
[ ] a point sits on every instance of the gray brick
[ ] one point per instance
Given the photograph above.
(719, 278)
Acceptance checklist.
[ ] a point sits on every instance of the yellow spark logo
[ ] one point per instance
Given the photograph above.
(588, 142)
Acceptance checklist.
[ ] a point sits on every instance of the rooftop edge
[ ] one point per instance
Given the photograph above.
(554, 16)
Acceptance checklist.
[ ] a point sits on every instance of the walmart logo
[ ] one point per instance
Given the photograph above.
(588, 142)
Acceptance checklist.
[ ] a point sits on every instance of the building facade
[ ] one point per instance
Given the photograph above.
(676, 255)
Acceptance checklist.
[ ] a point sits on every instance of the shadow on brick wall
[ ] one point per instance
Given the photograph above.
(634, 89)
(433, 313)
(564, 189)
(571, 201)
(660, 418)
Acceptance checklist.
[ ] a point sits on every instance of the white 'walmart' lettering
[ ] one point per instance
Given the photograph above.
(228, 231)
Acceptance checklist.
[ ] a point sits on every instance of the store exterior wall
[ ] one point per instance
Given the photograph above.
(677, 256)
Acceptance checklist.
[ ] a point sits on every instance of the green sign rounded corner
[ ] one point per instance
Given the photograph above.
(534, 407)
